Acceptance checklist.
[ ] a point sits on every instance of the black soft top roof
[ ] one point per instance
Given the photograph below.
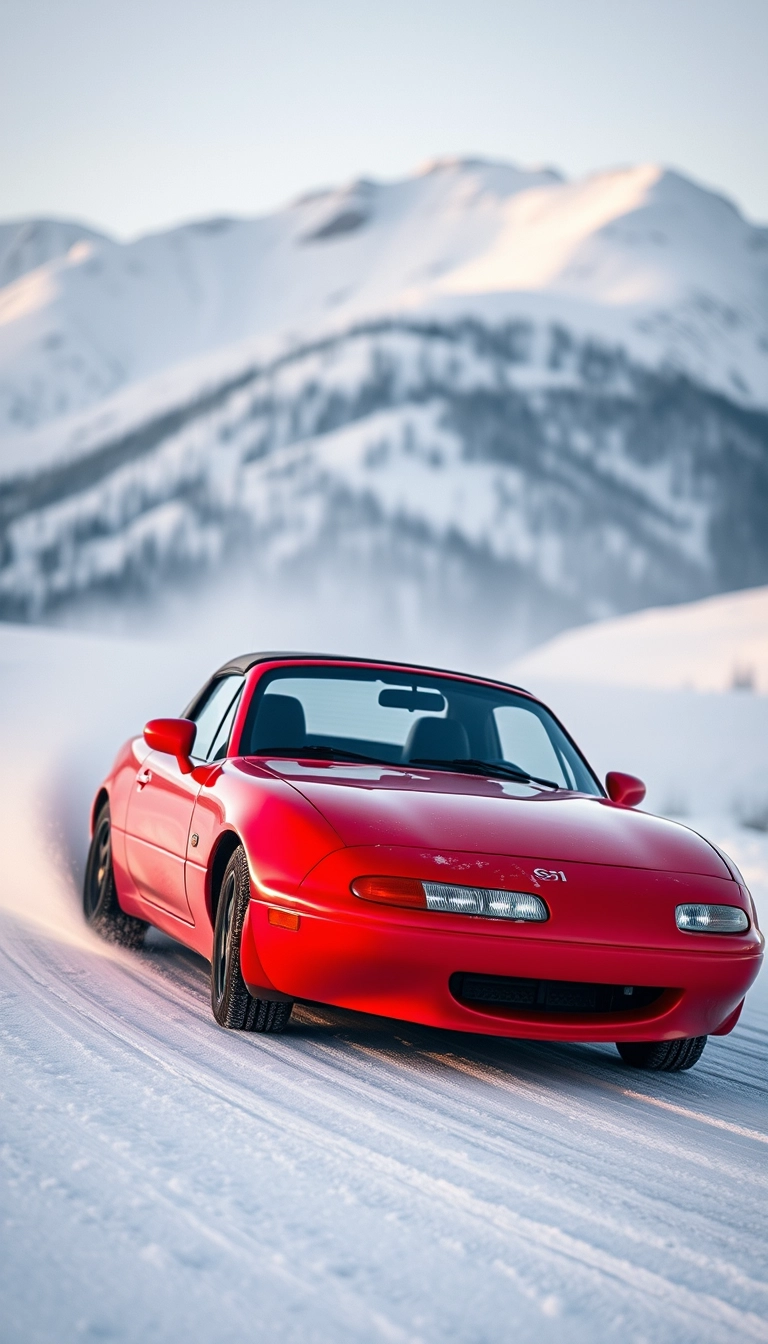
(245, 661)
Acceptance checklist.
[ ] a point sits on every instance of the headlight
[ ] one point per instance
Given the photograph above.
(711, 919)
(455, 900)
(484, 901)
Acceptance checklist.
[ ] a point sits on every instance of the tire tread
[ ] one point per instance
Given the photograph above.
(238, 1010)
(108, 919)
(663, 1056)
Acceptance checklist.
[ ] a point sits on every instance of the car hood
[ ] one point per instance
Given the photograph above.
(437, 810)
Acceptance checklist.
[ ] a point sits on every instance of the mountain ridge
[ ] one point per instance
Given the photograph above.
(641, 256)
(504, 391)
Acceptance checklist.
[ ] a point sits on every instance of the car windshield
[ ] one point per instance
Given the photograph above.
(404, 718)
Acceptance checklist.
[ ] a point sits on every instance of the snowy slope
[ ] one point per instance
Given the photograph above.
(507, 398)
(675, 695)
(27, 244)
(355, 1179)
(642, 257)
(478, 477)
(714, 645)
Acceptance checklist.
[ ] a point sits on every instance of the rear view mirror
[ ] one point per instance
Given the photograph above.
(174, 737)
(625, 789)
(431, 702)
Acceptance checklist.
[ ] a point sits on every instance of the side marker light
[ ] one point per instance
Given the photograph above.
(284, 919)
(711, 919)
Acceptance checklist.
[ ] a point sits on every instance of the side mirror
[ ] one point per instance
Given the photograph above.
(174, 737)
(626, 789)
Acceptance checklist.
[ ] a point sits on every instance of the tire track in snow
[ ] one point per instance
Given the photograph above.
(696, 1115)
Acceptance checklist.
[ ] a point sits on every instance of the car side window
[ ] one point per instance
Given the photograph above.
(214, 718)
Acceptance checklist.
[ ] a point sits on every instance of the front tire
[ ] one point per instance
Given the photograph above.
(664, 1056)
(232, 1005)
(100, 904)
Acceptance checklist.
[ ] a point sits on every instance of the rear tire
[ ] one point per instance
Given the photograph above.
(664, 1056)
(233, 1006)
(100, 904)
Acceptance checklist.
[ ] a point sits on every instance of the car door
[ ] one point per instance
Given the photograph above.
(162, 802)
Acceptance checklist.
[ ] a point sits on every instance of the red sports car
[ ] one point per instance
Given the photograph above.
(420, 844)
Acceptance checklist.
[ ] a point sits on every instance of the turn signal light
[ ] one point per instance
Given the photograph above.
(711, 919)
(406, 891)
(391, 891)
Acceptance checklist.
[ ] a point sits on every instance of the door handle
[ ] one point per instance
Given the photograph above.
(143, 777)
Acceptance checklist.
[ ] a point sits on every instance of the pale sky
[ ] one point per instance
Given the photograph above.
(143, 113)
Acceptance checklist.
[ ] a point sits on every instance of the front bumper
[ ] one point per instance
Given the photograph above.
(399, 963)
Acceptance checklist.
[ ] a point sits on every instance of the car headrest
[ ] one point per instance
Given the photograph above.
(279, 723)
(436, 740)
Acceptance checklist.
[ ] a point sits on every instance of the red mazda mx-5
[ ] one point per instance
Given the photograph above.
(421, 844)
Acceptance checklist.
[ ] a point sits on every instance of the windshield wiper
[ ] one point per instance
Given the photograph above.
(491, 768)
(511, 772)
(321, 753)
(470, 766)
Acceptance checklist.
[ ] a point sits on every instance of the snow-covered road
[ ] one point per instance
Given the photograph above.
(355, 1179)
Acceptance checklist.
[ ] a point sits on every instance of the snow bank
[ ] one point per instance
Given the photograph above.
(718, 644)
(668, 695)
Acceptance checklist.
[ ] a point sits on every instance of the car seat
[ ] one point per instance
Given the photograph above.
(279, 723)
(436, 740)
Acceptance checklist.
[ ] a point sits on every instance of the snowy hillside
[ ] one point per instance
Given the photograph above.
(716, 645)
(665, 694)
(640, 257)
(27, 244)
(514, 402)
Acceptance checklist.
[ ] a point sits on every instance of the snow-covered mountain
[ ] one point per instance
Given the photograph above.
(523, 400)
(27, 244)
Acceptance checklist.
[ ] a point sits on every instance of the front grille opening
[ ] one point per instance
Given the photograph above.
(551, 996)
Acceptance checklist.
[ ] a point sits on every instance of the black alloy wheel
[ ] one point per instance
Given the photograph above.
(100, 904)
(664, 1056)
(232, 1005)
